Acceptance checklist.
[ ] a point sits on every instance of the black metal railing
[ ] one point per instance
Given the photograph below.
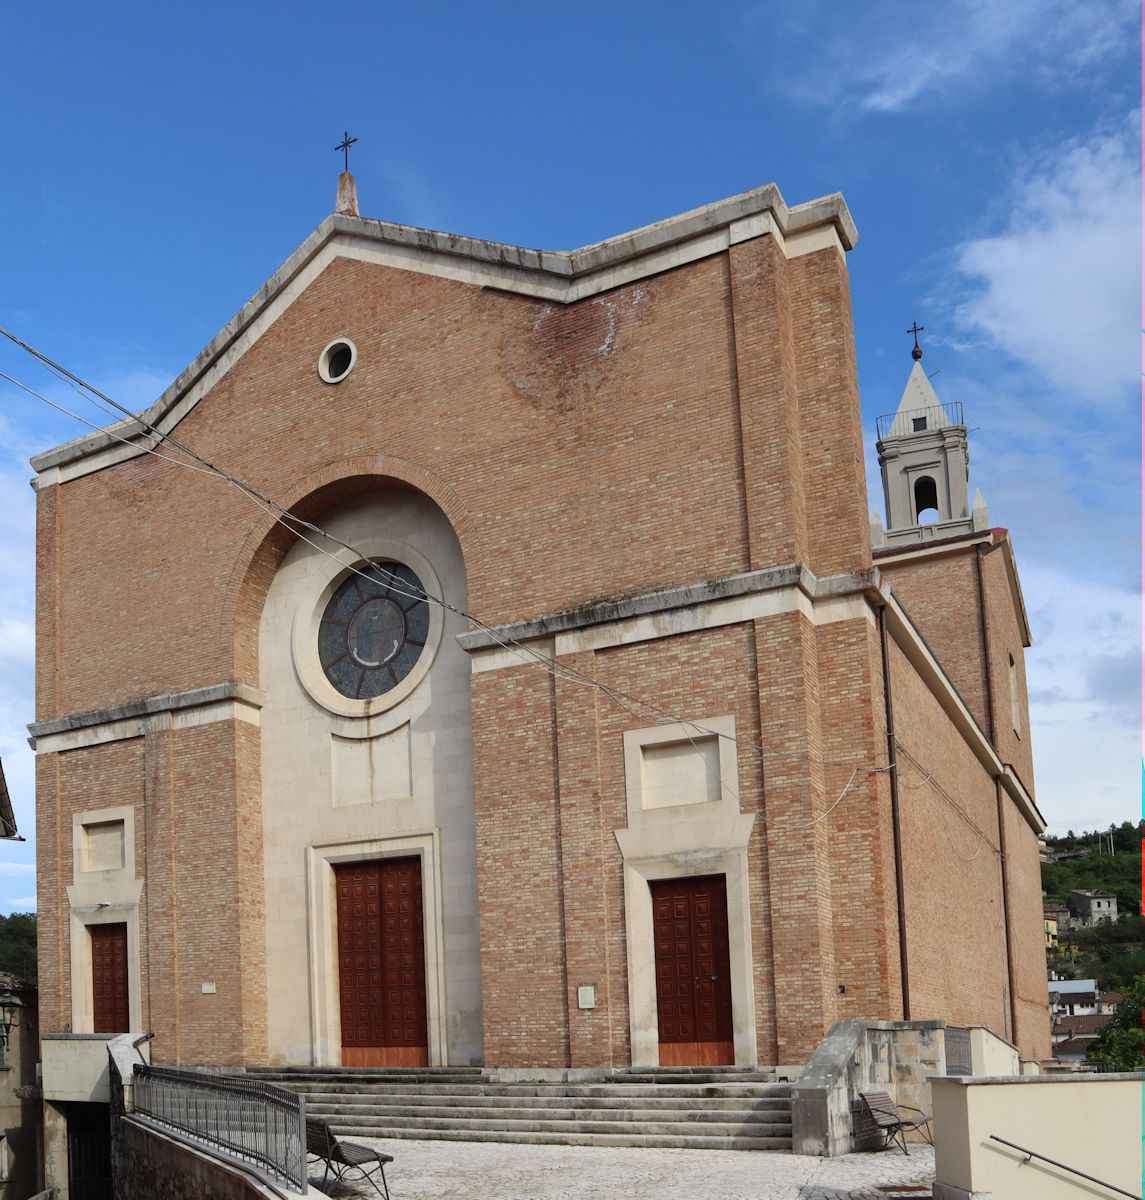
(919, 420)
(257, 1121)
(1072, 1170)
(958, 1059)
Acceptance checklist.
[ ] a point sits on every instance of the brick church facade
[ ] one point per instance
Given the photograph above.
(591, 730)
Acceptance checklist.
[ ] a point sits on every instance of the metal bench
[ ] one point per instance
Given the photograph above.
(887, 1118)
(344, 1158)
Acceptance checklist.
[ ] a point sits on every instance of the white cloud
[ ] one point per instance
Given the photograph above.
(20, 904)
(1058, 287)
(1083, 674)
(887, 57)
(17, 638)
(15, 868)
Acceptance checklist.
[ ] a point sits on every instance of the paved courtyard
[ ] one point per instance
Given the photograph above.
(433, 1170)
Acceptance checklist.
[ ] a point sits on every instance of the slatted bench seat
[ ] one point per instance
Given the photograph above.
(885, 1117)
(345, 1158)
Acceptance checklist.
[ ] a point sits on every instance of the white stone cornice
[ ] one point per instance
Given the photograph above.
(671, 611)
(176, 710)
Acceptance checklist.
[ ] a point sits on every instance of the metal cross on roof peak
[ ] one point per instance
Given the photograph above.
(916, 329)
(344, 146)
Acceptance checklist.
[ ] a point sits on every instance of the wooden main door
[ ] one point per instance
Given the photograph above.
(111, 1010)
(381, 963)
(693, 975)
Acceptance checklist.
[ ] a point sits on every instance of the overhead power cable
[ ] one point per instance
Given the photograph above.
(297, 525)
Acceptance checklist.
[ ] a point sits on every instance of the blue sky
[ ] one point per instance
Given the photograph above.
(159, 162)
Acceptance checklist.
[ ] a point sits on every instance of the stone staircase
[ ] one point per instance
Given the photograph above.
(710, 1108)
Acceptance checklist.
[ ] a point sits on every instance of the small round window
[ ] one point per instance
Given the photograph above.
(374, 630)
(337, 360)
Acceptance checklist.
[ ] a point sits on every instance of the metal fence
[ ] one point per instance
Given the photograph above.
(257, 1121)
(958, 1051)
(915, 420)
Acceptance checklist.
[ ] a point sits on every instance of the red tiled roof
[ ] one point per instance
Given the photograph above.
(1079, 1046)
(1090, 1023)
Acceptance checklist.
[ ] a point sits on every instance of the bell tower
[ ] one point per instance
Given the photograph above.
(925, 464)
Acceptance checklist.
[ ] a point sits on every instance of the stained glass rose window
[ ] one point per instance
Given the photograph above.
(374, 630)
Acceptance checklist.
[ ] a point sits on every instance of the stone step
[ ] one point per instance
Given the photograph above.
(574, 1122)
(694, 1077)
(667, 1091)
(570, 1138)
(682, 1107)
(363, 1077)
(297, 1068)
(506, 1118)
(769, 1104)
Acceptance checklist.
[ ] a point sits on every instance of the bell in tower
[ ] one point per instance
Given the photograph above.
(925, 464)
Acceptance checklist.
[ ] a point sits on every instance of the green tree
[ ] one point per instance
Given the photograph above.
(1121, 1044)
(18, 945)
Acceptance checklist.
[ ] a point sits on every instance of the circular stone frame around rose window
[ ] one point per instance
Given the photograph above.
(382, 629)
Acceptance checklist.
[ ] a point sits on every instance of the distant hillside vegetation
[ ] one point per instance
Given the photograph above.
(1119, 872)
(1112, 954)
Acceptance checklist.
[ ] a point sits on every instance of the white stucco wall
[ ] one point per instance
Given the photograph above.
(990, 1055)
(344, 781)
(1090, 1123)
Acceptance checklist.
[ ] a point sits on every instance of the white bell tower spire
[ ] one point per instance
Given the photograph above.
(925, 464)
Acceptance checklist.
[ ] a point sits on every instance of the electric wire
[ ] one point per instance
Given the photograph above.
(294, 524)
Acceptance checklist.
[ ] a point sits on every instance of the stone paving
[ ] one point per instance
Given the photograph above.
(439, 1170)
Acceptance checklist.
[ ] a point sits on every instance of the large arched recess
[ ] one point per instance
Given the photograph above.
(347, 784)
(318, 492)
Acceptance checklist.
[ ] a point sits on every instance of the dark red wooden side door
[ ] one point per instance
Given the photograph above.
(693, 975)
(381, 963)
(110, 1006)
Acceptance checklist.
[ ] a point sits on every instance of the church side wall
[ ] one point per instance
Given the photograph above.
(1024, 880)
(839, 532)
(795, 835)
(956, 942)
(861, 837)
(941, 597)
(1012, 736)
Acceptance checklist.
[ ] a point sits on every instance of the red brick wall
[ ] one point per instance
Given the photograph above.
(1027, 943)
(956, 933)
(523, 988)
(941, 597)
(1005, 639)
(200, 858)
(861, 837)
(699, 423)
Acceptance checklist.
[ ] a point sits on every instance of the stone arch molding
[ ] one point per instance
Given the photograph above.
(320, 489)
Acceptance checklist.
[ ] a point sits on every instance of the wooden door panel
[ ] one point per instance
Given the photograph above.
(693, 974)
(381, 951)
(111, 1010)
